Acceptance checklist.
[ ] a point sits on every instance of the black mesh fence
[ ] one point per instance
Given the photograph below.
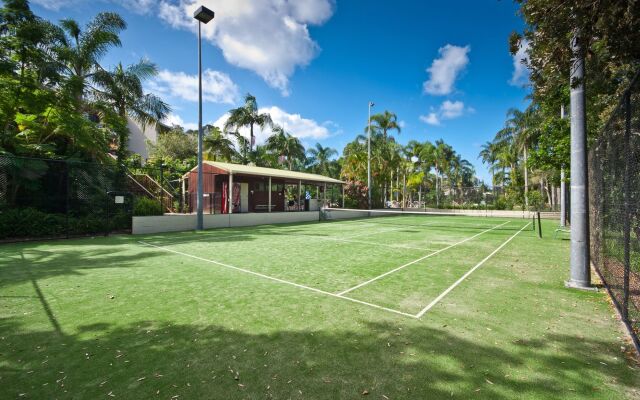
(614, 194)
(43, 198)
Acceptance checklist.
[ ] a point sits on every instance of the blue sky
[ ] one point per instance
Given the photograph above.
(442, 66)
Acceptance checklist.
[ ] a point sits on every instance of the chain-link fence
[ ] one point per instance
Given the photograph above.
(614, 169)
(540, 198)
(43, 198)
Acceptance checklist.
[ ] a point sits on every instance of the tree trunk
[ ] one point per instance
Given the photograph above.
(251, 138)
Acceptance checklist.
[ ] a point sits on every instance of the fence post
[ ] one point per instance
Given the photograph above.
(627, 205)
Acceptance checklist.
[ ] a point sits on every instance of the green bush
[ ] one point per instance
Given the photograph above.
(29, 222)
(22, 223)
(144, 206)
(535, 200)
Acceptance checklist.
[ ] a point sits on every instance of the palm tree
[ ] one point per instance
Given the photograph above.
(489, 157)
(384, 123)
(320, 158)
(287, 147)
(217, 145)
(122, 91)
(81, 50)
(520, 130)
(247, 115)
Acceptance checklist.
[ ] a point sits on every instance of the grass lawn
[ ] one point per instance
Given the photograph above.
(371, 308)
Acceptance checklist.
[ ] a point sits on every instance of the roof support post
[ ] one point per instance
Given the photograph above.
(299, 193)
(269, 204)
(230, 193)
(325, 193)
(342, 196)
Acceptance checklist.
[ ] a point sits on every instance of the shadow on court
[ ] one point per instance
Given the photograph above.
(162, 360)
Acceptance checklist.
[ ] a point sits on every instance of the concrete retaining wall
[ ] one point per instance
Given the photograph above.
(187, 222)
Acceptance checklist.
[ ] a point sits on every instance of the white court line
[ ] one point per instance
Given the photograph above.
(372, 233)
(450, 288)
(281, 280)
(209, 238)
(418, 260)
(368, 243)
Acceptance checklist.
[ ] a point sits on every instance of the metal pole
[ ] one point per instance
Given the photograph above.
(563, 206)
(199, 199)
(563, 189)
(580, 268)
(369, 156)
(230, 193)
(269, 194)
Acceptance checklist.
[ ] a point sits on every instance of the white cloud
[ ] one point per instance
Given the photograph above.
(295, 124)
(431, 119)
(175, 119)
(520, 75)
(55, 4)
(447, 110)
(451, 109)
(269, 37)
(444, 70)
(217, 87)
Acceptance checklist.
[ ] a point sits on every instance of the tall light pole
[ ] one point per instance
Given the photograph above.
(563, 189)
(369, 155)
(203, 15)
(580, 269)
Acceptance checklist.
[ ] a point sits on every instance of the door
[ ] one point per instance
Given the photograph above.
(244, 197)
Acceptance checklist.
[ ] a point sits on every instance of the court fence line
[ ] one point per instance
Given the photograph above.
(614, 199)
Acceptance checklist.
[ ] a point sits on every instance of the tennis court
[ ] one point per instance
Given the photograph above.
(398, 262)
(390, 307)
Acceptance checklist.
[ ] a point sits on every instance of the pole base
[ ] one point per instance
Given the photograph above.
(580, 286)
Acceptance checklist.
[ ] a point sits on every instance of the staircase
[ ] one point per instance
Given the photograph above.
(143, 184)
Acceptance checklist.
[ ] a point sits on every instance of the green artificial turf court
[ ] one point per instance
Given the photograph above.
(404, 306)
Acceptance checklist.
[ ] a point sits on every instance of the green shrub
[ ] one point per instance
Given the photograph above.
(535, 200)
(29, 222)
(144, 206)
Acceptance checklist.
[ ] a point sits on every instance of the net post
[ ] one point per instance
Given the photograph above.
(539, 226)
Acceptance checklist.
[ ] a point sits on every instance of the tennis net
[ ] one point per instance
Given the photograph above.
(433, 219)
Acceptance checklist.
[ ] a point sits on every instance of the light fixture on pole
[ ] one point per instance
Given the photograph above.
(203, 15)
(371, 104)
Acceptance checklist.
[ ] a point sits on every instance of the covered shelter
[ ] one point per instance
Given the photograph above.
(234, 188)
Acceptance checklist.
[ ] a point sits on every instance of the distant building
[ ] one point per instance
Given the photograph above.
(138, 137)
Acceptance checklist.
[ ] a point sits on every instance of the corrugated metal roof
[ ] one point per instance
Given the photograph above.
(275, 173)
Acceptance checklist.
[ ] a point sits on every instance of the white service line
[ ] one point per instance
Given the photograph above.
(478, 265)
(208, 238)
(280, 280)
(373, 233)
(418, 260)
(401, 247)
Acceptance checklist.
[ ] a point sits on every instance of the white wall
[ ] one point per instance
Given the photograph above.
(138, 137)
(187, 222)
